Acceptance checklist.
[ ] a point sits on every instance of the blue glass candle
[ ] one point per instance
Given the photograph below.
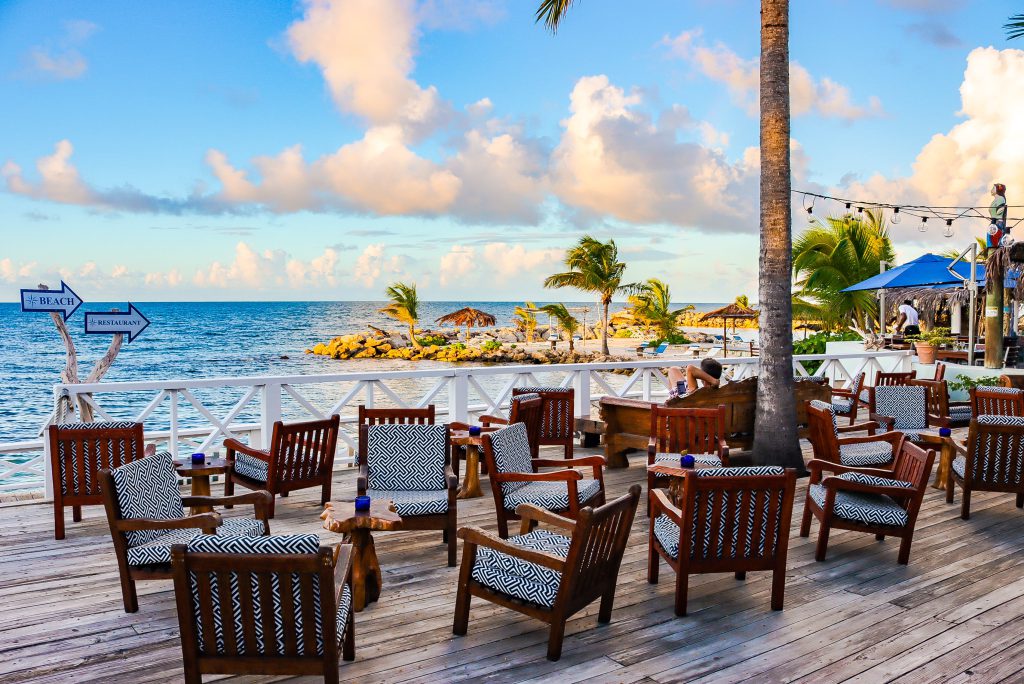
(687, 461)
(362, 504)
(945, 432)
(474, 430)
(198, 458)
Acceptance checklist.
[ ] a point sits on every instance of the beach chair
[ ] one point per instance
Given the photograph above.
(844, 401)
(558, 416)
(656, 351)
(699, 432)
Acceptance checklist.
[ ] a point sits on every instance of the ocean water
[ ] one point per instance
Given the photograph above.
(189, 340)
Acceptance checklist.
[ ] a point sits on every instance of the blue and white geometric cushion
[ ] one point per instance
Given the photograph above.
(870, 509)
(864, 396)
(344, 610)
(67, 451)
(281, 544)
(519, 578)
(875, 480)
(554, 410)
(960, 466)
(1004, 390)
(706, 460)
(406, 457)
(553, 496)
(251, 467)
(842, 405)
(991, 446)
(158, 550)
(825, 406)
(960, 412)
(147, 488)
(865, 454)
(907, 405)
(413, 503)
(511, 453)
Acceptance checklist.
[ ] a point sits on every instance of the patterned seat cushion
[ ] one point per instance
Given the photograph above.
(907, 405)
(413, 503)
(251, 467)
(519, 578)
(870, 509)
(281, 544)
(960, 466)
(158, 550)
(875, 480)
(708, 460)
(865, 454)
(406, 457)
(554, 496)
(147, 488)
(960, 412)
(67, 452)
(842, 405)
(511, 450)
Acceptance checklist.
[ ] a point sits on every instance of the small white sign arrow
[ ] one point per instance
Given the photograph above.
(131, 323)
(63, 301)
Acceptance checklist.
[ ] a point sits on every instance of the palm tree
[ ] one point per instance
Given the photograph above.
(775, 435)
(403, 307)
(594, 266)
(653, 305)
(1014, 27)
(566, 321)
(743, 300)
(835, 253)
(525, 318)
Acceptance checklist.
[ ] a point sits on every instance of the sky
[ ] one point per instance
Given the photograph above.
(321, 149)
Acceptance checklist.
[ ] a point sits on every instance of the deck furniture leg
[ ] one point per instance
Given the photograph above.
(682, 589)
(464, 597)
(904, 556)
(604, 615)
(366, 574)
(822, 546)
(946, 455)
(880, 537)
(949, 486)
(348, 646)
(555, 637)
(653, 561)
(128, 595)
(471, 484)
(58, 518)
(200, 487)
(965, 507)
(805, 522)
(741, 575)
(76, 513)
(1020, 500)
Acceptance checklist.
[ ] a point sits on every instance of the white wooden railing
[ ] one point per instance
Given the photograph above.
(199, 414)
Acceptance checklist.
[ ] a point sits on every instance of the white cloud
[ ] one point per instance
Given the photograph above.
(457, 264)
(269, 269)
(374, 267)
(501, 178)
(824, 97)
(497, 263)
(11, 272)
(59, 179)
(61, 60)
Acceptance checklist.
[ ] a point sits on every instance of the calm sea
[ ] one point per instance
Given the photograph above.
(191, 340)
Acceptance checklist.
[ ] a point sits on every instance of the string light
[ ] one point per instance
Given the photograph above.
(860, 210)
(895, 215)
(848, 205)
(924, 224)
(949, 228)
(919, 211)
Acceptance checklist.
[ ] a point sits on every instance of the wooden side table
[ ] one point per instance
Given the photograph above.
(677, 476)
(343, 518)
(947, 452)
(470, 488)
(200, 474)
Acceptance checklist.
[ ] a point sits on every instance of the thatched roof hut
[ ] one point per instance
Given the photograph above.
(468, 317)
(733, 312)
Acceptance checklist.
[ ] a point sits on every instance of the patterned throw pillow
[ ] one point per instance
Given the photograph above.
(825, 406)
(148, 488)
(406, 457)
(907, 405)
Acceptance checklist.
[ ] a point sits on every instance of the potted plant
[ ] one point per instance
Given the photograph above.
(926, 344)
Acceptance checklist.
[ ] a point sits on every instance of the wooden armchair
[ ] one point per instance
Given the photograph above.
(301, 455)
(997, 401)
(400, 416)
(726, 520)
(286, 610)
(147, 517)
(78, 451)
(941, 411)
(515, 480)
(885, 380)
(547, 575)
(882, 502)
(829, 445)
(993, 460)
(558, 415)
(845, 401)
(409, 464)
(523, 408)
(678, 431)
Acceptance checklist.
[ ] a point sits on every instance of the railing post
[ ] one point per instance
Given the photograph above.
(582, 391)
(172, 441)
(47, 470)
(646, 383)
(459, 410)
(270, 412)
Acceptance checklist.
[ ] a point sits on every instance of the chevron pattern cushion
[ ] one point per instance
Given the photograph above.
(990, 446)
(960, 466)
(519, 578)
(667, 534)
(282, 544)
(251, 467)
(864, 396)
(874, 480)
(68, 452)
(511, 454)
(413, 503)
(842, 405)
(870, 509)
(554, 418)
(865, 454)
(147, 488)
(1004, 390)
(344, 610)
(825, 406)
(406, 457)
(554, 496)
(707, 460)
(158, 550)
(907, 405)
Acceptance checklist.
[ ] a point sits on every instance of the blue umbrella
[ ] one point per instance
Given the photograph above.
(929, 270)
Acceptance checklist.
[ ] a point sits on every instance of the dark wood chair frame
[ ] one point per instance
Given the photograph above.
(396, 416)
(987, 403)
(913, 465)
(688, 431)
(526, 411)
(295, 448)
(825, 444)
(208, 522)
(100, 441)
(977, 478)
(589, 571)
(566, 473)
(330, 565)
(938, 404)
(743, 492)
(448, 522)
(853, 394)
(554, 432)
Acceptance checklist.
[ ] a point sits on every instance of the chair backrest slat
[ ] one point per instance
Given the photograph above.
(303, 451)
(558, 422)
(687, 430)
(528, 410)
(400, 416)
(997, 401)
(598, 543)
(78, 451)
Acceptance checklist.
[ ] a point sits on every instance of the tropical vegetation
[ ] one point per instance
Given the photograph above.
(403, 306)
(525, 319)
(815, 344)
(1014, 27)
(652, 307)
(566, 321)
(833, 254)
(594, 266)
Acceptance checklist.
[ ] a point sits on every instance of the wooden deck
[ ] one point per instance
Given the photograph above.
(955, 614)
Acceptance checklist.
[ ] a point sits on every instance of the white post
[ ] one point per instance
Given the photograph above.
(954, 319)
(883, 266)
(47, 470)
(458, 411)
(646, 380)
(582, 382)
(973, 308)
(270, 412)
(172, 445)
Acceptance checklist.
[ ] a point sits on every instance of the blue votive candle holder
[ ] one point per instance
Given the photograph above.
(362, 503)
(687, 461)
(199, 457)
(945, 432)
(474, 430)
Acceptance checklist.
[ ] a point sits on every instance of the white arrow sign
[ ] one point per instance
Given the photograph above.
(63, 301)
(116, 322)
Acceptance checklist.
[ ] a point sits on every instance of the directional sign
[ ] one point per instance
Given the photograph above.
(114, 322)
(64, 300)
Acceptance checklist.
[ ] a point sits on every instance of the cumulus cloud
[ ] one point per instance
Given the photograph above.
(824, 97)
(271, 268)
(11, 272)
(375, 266)
(496, 263)
(61, 60)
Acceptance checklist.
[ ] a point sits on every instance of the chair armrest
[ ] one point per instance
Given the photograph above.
(203, 520)
(232, 445)
(723, 450)
(846, 485)
(959, 449)
(817, 465)
(342, 566)
(456, 425)
(362, 480)
(886, 421)
(869, 425)
(529, 512)
(550, 476)
(451, 481)
(652, 449)
(496, 420)
(893, 437)
(842, 392)
(479, 537)
(660, 504)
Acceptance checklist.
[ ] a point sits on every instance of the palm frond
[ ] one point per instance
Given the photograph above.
(552, 12)
(1014, 27)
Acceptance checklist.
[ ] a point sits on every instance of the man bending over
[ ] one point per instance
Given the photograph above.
(708, 375)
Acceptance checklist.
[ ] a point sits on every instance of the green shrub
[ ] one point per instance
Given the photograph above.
(433, 340)
(623, 332)
(457, 345)
(815, 344)
(674, 338)
(491, 345)
(966, 384)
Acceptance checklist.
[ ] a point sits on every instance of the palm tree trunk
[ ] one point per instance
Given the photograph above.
(775, 431)
(604, 326)
(412, 337)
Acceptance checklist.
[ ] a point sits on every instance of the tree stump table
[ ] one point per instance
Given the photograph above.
(470, 488)
(357, 526)
(200, 474)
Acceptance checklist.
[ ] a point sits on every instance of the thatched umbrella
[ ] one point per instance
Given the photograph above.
(468, 317)
(732, 311)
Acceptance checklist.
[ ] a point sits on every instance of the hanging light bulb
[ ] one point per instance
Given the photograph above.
(924, 224)
(949, 228)
(860, 210)
(809, 208)
(895, 215)
(848, 205)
